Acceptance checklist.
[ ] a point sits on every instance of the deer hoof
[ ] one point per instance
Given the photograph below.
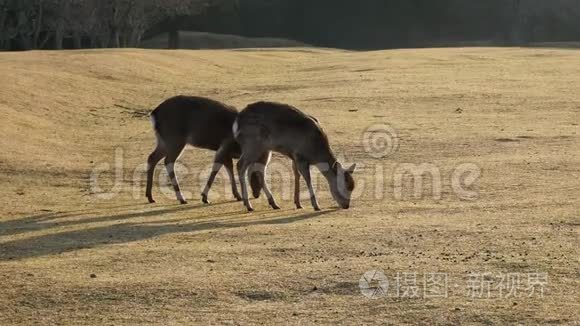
(298, 206)
(183, 202)
(151, 201)
(204, 199)
(273, 204)
(250, 209)
(317, 209)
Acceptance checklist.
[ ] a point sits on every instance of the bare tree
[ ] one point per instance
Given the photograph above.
(129, 19)
(30, 24)
(7, 32)
(19, 21)
(172, 10)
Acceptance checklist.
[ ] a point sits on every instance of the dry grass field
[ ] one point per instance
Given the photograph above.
(69, 256)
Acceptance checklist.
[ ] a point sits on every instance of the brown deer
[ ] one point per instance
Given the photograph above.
(264, 127)
(202, 123)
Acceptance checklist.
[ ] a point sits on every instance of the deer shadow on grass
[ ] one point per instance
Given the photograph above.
(55, 219)
(63, 242)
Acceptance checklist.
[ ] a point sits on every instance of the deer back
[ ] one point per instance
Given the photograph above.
(198, 121)
(285, 129)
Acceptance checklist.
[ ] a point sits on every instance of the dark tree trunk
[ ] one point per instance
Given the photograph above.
(517, 23)
(114, 39)
(125, 40)
(38, 27)
(42, 44)
(3, 31)
(135, 38)
(24, 42)
(58, 37)
(104, 40)
(173, 39)
(94, 41)
(24, 36)
(77, 39)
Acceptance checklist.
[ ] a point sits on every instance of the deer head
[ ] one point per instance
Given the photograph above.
(341, 183)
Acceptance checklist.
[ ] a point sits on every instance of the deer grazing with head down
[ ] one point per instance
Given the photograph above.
(202, 123)
(264, 127)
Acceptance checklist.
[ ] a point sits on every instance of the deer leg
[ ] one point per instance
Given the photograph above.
(214, 171)
(229, 164)
(304, 169)
(296, 185)
(262, 166)
(242, 172)
(221, 157)
(152, 161)
(170, 166)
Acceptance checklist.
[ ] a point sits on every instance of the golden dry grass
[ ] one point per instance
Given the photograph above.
(512, 112)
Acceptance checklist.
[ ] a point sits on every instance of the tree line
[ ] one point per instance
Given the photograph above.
(40, 24)
(368, 24)
(57, 24)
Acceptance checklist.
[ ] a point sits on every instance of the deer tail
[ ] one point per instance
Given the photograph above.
(157, 128)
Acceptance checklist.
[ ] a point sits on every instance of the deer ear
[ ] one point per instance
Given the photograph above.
(335, 166)
(352, 168)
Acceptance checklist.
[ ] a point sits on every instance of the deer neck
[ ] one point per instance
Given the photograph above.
(326, 163)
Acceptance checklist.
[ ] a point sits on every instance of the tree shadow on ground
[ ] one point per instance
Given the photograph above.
(62, 242)
(55, 219)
